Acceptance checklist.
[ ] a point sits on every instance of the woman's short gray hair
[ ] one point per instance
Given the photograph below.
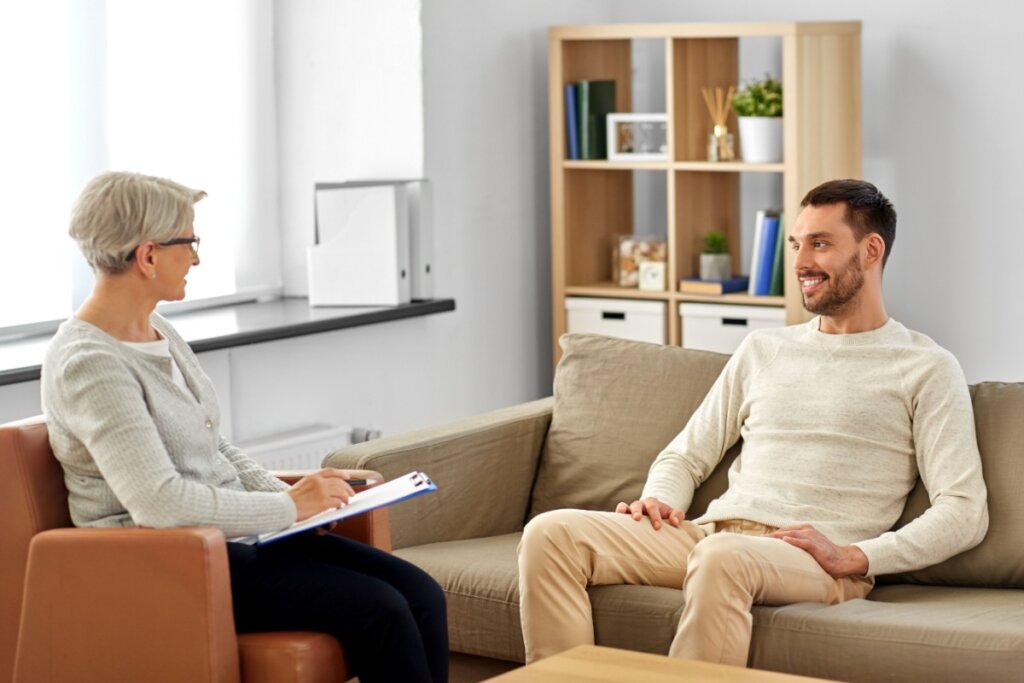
(118, 211)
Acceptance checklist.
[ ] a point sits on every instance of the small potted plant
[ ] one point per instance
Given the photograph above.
(715, 261)
(758, 106)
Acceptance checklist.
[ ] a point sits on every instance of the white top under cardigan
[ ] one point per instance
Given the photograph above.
(835, 429)
(137, 449)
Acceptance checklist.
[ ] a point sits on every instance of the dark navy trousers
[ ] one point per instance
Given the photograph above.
(389, 615)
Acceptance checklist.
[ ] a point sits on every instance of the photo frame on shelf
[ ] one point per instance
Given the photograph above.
(637, 137)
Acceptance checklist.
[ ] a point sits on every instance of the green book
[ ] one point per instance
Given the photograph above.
(594, 101)
(778, 265)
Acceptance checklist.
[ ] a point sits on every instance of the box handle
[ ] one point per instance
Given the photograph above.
(742, 322)
(612, 315)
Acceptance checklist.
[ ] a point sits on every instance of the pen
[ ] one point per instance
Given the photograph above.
(361, 482)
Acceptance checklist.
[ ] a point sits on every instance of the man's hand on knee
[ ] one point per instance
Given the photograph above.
(838, 560)
(655, 510)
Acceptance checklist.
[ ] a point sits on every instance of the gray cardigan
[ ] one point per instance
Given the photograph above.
(139, 450)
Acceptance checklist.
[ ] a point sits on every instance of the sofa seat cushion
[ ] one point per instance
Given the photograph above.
(899, 633)
(480, 580)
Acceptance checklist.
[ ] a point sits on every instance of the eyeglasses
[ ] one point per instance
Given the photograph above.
(192, 242)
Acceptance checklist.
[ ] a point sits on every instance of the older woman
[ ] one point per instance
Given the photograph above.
(134, 422)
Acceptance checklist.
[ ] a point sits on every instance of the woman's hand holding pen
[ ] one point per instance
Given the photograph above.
(320, 491)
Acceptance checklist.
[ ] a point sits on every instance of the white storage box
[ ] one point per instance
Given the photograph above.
(374, 243)
(721, 327)
(625, 318)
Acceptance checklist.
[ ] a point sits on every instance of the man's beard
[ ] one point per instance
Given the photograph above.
(840, 289)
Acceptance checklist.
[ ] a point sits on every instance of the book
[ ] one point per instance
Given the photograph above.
(766, 255)
(694, 285)
(594, 101)
(571, 132)
(394, 491)
(757, 252)
(775, 288)
(755, 259)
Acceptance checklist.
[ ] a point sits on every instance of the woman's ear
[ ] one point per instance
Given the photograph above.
(145, 259)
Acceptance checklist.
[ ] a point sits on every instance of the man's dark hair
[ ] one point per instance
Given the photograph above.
(867, 209)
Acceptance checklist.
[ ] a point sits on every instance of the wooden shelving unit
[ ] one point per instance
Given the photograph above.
(592, 201)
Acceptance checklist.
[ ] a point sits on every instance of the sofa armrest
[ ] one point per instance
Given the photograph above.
(484, 467)
(127, 605)
(371, 527)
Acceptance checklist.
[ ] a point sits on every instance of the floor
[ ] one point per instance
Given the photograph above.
(471, 669)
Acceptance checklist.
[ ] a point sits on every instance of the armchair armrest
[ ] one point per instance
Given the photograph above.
(291, 477)
(484, 467)
(371, 527)
(163, 596)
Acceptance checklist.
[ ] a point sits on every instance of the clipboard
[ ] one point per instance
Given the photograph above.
(394, 491)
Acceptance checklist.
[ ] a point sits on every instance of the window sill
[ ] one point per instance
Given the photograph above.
(233, 325)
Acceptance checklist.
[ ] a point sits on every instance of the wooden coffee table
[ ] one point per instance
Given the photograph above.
(593, 664)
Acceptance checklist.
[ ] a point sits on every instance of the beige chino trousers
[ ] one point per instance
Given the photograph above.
(723, 568)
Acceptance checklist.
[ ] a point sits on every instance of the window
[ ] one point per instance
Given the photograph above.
(180, 89)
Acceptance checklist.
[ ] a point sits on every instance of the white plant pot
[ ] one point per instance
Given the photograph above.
(761, 138)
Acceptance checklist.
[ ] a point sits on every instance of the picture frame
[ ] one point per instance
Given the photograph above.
(637, 137)
(652, 276)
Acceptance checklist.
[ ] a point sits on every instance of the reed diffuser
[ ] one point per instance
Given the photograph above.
(720, 142)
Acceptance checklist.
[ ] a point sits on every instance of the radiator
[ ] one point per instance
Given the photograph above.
(298, 449)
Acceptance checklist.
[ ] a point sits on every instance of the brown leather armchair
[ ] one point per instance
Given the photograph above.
(130, 604)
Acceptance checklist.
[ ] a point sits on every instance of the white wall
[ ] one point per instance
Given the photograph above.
(351, 107)
(486, 135)
(349, 82)
(18, 401)
(941, 138)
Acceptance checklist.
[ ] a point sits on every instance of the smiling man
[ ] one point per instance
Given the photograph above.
(842, 239)
(838, 417)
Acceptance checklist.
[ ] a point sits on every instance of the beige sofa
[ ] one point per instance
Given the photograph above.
(616, 404)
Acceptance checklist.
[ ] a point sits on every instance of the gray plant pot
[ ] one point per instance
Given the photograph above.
(715, 267)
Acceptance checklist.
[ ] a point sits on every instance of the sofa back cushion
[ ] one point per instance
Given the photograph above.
(999, 559)
(617, 403)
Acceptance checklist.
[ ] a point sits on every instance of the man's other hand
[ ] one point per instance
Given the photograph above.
(655, 510)
(837, 560)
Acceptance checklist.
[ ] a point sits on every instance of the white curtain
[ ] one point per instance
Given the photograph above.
(181, 89)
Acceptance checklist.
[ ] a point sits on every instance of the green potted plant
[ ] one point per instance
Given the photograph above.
(715, 261)
(758, 107)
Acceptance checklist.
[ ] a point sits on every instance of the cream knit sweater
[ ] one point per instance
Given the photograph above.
(835, 430)
(137, 449)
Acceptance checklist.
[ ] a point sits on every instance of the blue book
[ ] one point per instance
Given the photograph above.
(779, 264)
(766, 256)
(694, 285)
(571, 134)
